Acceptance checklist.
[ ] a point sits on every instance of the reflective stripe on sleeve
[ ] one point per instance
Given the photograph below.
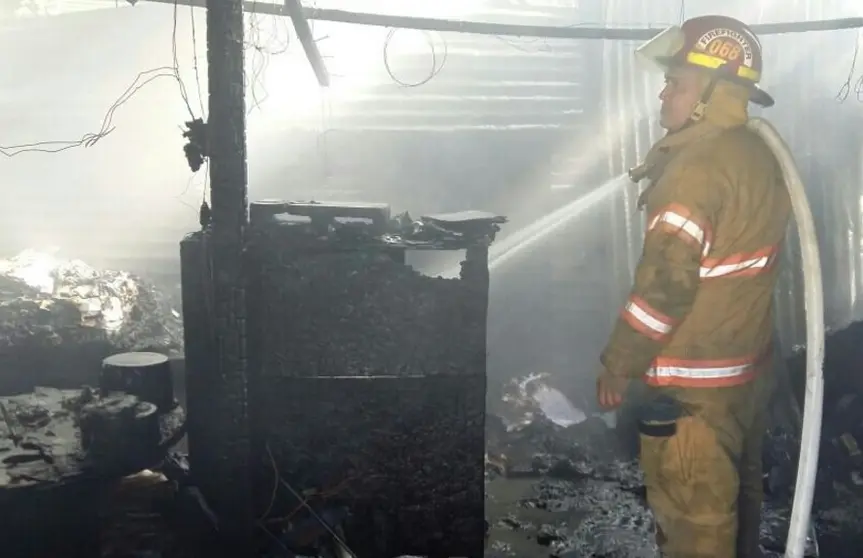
(646, 320)
(739, 265)
(677, 220)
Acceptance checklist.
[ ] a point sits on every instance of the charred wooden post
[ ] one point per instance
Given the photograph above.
(144, 375)
(218, 426)
(367, 379)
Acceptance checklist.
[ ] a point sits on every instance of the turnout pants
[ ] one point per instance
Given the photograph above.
(704, 477)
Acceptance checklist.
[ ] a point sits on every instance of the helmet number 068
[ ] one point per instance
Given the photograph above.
(727, 50)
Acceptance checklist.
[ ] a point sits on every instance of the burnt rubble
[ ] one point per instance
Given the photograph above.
(588, 484)
(60, 318)
(839, 490)
(367, 393)
(59, 448)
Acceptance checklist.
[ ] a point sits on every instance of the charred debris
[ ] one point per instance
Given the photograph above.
(368, 434)
(366, 378)
(62, 452)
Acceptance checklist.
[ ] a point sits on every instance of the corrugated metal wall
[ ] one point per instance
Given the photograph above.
(805, 72)
(482, 133)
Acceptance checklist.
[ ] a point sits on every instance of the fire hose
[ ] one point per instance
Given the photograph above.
(810, 437)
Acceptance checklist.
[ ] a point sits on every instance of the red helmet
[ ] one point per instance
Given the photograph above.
(721, 44)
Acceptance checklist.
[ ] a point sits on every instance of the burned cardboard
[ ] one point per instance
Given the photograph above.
(60, 318)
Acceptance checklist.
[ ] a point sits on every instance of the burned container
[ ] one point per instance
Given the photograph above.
(366, 378)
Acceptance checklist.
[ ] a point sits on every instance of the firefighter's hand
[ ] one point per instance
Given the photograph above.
(610, 389)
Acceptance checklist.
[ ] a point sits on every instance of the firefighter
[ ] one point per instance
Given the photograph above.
(697, 325)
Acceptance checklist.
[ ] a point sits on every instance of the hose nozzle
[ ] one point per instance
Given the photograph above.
(639, 173)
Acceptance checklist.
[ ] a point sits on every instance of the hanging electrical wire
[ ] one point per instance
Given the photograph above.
(436, 64)
(195, 59)
(91, 138)
(204, 209)
(845, 91)
(176, 63)
(263, 42)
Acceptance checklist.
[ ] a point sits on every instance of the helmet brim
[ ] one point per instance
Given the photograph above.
(761, 97)
(661, 48)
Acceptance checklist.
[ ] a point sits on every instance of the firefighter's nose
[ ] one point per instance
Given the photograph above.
(663, 94)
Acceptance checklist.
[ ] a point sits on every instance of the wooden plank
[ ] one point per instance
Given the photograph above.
(544, 31)
(310, 46)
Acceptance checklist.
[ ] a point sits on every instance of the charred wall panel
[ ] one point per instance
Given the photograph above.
(367, 388)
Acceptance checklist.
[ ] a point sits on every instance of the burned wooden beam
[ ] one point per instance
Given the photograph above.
(304, 34)
(540, 31)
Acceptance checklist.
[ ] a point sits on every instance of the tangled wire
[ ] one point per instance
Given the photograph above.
(845, 91)
(436, 64)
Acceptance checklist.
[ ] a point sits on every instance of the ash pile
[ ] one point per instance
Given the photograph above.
(366, 378)
(563, 483)
(60, 318)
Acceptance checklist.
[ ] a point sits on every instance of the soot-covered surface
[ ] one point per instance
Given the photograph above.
(364, 314)
(329, 297)
(52, 480)
(406, 454)
(41, 441)
(389, 367)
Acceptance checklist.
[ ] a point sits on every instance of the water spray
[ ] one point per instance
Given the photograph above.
(519, 241)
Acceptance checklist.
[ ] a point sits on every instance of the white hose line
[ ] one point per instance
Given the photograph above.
(810, 439)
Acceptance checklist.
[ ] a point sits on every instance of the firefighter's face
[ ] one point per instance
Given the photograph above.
(681, 93)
